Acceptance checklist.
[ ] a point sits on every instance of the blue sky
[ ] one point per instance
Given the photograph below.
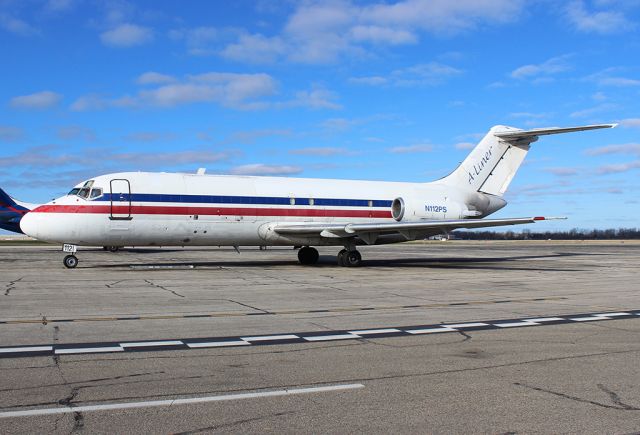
(395, 90)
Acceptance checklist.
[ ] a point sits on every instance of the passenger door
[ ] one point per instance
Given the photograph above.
(120, 199)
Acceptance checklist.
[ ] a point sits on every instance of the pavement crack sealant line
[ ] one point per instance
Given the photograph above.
(57, 349)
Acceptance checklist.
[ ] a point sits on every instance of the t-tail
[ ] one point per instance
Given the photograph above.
(493, 163)
(12, 211)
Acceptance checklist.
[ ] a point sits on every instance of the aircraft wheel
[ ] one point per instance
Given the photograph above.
(70, 261)
(308, 255)
(352, 259)
(114, 248)
(105, 248)
(341, 257)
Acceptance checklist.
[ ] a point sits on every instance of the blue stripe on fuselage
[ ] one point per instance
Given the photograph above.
(249, 200)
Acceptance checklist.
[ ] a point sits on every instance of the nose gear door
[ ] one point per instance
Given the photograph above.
(120, 199)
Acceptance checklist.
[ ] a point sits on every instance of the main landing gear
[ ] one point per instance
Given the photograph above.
(349, 258)
(308, 255)
(346, 258)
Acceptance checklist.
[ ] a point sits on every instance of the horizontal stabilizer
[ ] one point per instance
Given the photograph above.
(522, 134)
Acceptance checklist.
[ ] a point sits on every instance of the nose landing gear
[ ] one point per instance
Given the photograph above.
(70, 261)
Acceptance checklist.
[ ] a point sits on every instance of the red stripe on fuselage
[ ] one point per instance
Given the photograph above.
(210, 211)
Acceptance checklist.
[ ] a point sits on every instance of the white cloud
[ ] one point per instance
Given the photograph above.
(250, 137)
(76, 132)
(561, 171)
(228, 89)
(262, 169)
(630, 122)
(255, 49)
(610, 77)
(602, 108)
(551, 66)
(154, 78)
(199, 40)
(39, 100)
(418, 148)
(149, 136)
(618, 168)
(316, 98)
(627, 148)
(320, 151)
(126, 35)
(465, 146)
(602, 22)
(382, 35)
(11, 134)
(16, 26)
(426, 74)
(325, 32)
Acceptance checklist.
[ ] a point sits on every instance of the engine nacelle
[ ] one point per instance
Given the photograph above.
(409, 209)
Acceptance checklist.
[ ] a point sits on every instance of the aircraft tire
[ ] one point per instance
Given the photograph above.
(308, 255)
(70, 261)
(341, 258)
(352, 259)
(114, 248)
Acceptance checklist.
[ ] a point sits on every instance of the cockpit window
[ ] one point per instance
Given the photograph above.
(84, 192)
(95, 193)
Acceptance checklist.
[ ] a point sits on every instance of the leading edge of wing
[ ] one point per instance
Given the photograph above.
(352, 229)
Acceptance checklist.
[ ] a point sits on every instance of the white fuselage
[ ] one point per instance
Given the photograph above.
(168, 209)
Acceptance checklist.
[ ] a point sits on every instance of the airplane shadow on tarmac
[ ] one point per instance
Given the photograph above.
(481, 263)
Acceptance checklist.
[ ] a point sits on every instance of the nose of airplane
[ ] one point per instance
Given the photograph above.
(29, 225)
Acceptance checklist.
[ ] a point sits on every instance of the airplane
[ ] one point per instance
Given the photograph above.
(178, 209)
(12, 211)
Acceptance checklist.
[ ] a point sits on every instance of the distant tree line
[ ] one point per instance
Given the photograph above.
(574, 234)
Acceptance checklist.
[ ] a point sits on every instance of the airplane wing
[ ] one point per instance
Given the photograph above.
(521, 134)
(411, 230)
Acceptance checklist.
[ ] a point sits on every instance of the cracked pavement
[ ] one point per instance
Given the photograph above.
(570, 378)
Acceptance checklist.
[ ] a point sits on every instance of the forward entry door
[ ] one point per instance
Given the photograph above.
(120, 199)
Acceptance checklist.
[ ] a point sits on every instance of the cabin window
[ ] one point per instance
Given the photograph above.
(96, 192)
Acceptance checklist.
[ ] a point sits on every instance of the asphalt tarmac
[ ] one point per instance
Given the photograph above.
(442, 337)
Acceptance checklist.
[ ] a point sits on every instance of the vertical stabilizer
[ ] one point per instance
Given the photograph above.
(493, 163)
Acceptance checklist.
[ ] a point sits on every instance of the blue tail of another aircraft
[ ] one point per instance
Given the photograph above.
(11, 213)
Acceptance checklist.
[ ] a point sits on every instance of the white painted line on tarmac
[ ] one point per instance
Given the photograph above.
(219, 344)
(332, 337)
(612, 314)
(515, 324)
(545, 319)
(588, 319)
(26, 349)
(187, 401)
(374, 331)
(429, 330)
(271, 337)
(152, 343)
(467, 325)
(89, 350)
